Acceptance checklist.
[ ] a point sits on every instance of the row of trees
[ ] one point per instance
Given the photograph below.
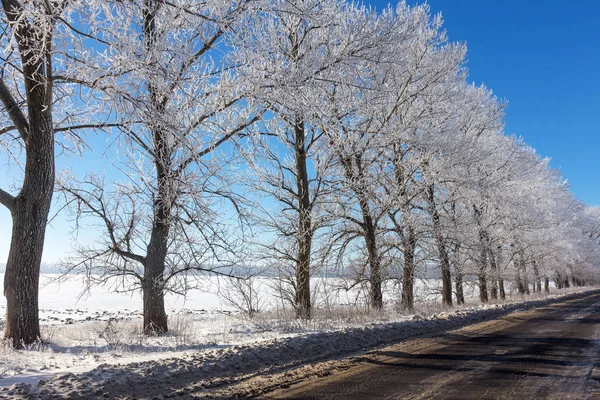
(298, 136)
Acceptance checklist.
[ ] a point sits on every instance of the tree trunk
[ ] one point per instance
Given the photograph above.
(458, 278)
(441, 246)
(155, 317)
(499, 261)
(483, 289)
(30, 216)
(375, 279)
(520, 288)
(368, 228)
(483, 255)
(303, 306)
(519, 275)
(483, 292)
(558, 280)
(408, 275)
(30, 208)
(525, 279)
(537, 278)
(494, 276)
(547, 285)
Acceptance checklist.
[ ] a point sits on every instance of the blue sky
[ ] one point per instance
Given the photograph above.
(541, 56)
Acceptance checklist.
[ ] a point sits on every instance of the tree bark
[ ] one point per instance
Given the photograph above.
(458, 278)
(494, 276)
(30, 216)
(483, 290)
(408, 274)
(558, 280)
(375, 279)
(519, 275)
(499, 261)
(520, 288)
(547, 285)
(537, 278)
(155, 317)
(304, 237)
(30, 208)
(483, 257)
(368, 227)
(525, 277)
(441, 246)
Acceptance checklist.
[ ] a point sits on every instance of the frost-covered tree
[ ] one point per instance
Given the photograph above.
(37, 111)
(368, 128)
(167, 73)
(295, 53)
(376, 140)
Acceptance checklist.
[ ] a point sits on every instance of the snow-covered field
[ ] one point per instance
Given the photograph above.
(88, 332)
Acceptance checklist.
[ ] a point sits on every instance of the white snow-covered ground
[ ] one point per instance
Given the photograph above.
(84, 335)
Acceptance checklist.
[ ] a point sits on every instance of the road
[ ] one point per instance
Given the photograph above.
(551, 352)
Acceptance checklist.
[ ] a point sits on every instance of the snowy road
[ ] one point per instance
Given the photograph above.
(549, 352)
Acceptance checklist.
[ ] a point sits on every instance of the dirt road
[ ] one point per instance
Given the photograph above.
(551, 352)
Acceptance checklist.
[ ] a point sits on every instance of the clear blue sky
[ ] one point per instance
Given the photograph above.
(543, 56)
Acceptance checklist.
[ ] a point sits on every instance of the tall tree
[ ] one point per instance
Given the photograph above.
(35, 35)
(293, 52)
(169, 76)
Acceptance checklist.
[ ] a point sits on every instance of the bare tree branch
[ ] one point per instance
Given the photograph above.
(7, 200)
(14, 111)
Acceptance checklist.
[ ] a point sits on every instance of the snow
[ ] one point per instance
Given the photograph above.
(98, 339)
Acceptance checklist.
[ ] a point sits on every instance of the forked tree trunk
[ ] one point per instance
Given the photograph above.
(304, 238)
